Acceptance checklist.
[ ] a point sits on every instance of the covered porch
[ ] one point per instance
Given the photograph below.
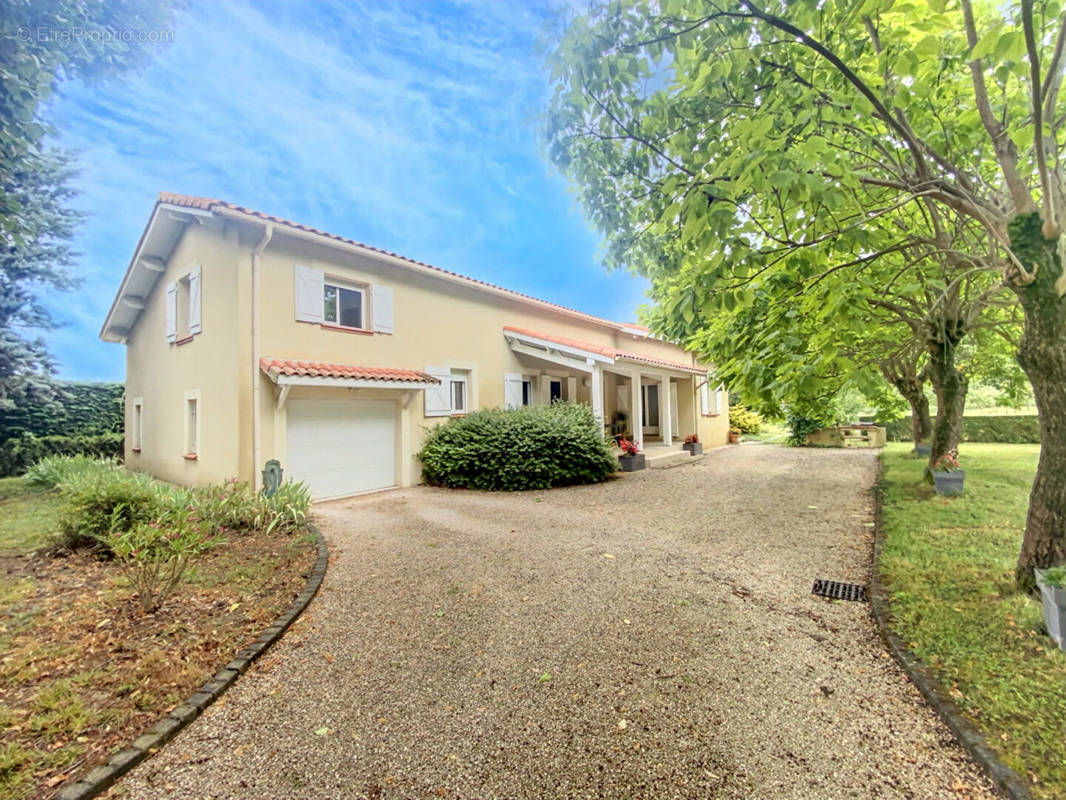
(646, 400)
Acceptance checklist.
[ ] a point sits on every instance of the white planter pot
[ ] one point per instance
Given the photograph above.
(1054, 600)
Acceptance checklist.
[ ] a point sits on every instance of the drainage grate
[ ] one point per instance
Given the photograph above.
(835, 590)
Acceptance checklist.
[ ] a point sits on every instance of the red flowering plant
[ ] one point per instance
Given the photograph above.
(692, 438)
(949, 462)
(629, 448)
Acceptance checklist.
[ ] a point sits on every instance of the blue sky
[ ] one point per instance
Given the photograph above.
(410, 126)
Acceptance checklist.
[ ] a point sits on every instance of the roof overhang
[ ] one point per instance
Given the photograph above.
(287, 372)
(585, 357)
(158, 240)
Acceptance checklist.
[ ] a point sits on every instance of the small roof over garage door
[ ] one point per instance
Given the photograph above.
(292, 372)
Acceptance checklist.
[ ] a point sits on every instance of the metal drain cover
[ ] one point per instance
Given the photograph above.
(835, 590)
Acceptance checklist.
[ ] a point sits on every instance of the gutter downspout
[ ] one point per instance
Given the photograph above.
(268, 234)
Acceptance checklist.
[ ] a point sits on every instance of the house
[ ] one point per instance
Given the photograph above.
(249, 337)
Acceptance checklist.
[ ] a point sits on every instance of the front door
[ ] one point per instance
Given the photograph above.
(651, 409)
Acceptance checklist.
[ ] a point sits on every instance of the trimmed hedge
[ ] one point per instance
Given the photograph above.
(536, 447)
(82, 409)
(18, 455)
(1020, 429)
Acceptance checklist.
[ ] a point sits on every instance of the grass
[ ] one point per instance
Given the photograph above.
(948, 564)
(28, 516)
(771, 433)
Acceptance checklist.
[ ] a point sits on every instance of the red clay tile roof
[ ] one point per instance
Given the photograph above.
(320, 369)
(603, 350)
(209, 204)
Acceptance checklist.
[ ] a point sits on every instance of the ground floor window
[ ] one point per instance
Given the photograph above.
(460, 393)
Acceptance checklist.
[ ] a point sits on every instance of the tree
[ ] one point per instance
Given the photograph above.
(43, 43)
(715, 144)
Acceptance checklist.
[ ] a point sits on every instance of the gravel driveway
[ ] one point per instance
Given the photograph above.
(651, 637)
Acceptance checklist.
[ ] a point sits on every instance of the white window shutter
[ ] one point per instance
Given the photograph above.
(381, 308)
(309, 298)
(172, 311)
(705, 398)
(718, 400)
(512, 390)
(439, 398)
(195, 325)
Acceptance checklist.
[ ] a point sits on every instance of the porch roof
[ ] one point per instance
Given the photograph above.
(292, 372)
(598, 352)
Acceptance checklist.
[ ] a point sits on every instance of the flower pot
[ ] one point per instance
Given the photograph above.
(1054, 600)
(923, 450)
(693, 448)
(631, 463)
(734, 438)
(949, 483)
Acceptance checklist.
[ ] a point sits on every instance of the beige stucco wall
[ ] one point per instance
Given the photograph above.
(435, 323)
(162, 373)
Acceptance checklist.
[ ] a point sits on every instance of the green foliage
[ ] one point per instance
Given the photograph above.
(234, 505)
(1006, 429)
(80, 409)
(745, 420)
(46, 42)
(536, 447)
(50, 472)
(799, 427)
(104, 499)
(19, 454)
(948, 568)
(154, 555)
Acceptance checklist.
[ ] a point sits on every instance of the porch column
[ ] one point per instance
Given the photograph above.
(666, 410)
(597, 392)
(636, 413)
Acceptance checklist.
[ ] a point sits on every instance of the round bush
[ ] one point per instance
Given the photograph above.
(525, 448)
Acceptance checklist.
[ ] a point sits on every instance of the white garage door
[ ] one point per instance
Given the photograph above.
(341, 447)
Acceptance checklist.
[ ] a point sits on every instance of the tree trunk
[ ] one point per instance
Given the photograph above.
(909, 383)
(921, 424)
(950, 387)
(1042, 354)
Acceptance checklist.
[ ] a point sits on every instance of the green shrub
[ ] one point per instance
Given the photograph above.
(234, 505)
(104, 499)
(50, 472)
(1007, 429)
(800, 426)
(18, 454)
(536, 447)
(744, 419)
(154, 555)
(287, 509)
(81, 409)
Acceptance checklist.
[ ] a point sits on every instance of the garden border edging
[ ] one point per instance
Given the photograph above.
(1005, 778)
(103, 776)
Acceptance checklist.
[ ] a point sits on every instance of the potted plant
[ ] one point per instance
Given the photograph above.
(946, 474)
(693, 445)
(631, 459)
(734, 435)
(1052, 583)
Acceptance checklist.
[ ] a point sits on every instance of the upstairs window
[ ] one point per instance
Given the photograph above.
(343, 305)
(183, 304)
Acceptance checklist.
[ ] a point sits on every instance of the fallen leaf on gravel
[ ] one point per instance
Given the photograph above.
(608, 555)
(547, 676)
(321, 731)
(812, 506)
(622, 724)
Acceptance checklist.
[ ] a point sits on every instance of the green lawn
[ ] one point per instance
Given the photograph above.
(28, 516)
(948, 565)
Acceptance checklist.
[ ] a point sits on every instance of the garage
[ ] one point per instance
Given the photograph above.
(341, 446)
